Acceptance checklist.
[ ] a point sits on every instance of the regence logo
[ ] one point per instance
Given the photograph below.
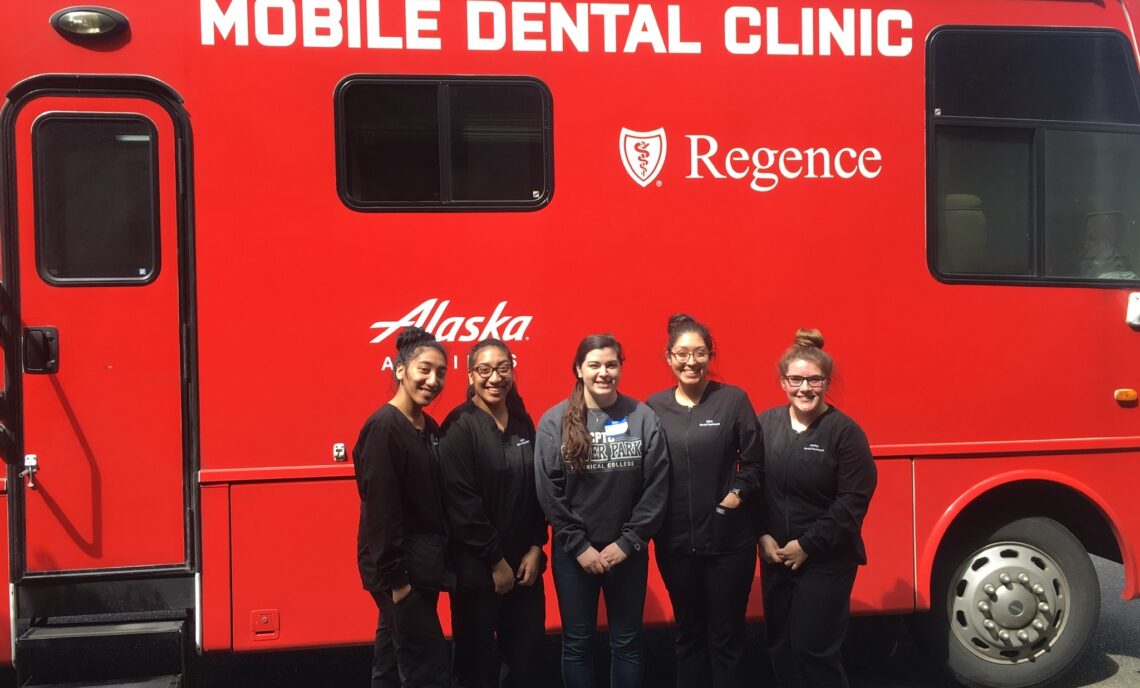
(762, 168)
(429, 315)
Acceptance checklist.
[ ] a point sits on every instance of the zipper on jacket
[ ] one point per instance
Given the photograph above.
(689, 465)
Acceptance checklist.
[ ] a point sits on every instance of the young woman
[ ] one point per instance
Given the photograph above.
(497, 526)
(819, 478)
(403, 533)
(602, 470)
(706, 549)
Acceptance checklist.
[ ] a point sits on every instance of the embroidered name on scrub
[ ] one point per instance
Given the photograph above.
(813, 447)
(522, 441)
(709, 424)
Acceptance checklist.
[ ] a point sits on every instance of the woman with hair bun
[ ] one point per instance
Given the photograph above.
(402, 537)
(819, 478)
(706, 549)
(602, 470)
(497, 527)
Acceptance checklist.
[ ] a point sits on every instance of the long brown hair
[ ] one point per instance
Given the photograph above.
(576, 443)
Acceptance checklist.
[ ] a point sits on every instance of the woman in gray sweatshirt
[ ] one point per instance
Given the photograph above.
(602, 470)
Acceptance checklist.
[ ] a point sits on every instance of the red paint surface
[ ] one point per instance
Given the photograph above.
(289, 282)
(107, 428)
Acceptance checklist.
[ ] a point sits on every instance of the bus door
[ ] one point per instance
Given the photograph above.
(100, 336)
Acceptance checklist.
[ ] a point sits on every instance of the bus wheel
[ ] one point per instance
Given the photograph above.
(1013, 609)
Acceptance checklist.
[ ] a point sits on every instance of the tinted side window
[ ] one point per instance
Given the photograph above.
(411, 143)
(496, 143)
(392, 142)
(984, 191)
(96, 189)
(1063, 76)
(1035, 153)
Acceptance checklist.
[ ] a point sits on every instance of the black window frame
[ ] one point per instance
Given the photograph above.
(40, 202)
(443, 204)
(936, 122)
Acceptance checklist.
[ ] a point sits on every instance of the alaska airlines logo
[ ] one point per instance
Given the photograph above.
(643, 153)
(430, 316)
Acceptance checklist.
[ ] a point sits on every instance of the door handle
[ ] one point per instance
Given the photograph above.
(31, 467)
(41, 350)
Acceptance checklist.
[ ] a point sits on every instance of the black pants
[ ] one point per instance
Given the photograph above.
(518, 619)
(709, 596)
(806, 614)
(409, 651)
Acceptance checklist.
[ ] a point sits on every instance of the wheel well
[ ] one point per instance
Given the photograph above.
(1027, 498)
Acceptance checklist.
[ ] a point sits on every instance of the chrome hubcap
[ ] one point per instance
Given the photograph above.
(1009, 602)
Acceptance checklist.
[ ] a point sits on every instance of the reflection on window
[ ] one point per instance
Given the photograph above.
(96, 199)
(1091, 204)
(1036, 155)
(418, 144)
(984, 182)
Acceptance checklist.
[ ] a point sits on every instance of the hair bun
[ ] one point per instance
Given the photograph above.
(413, 337)
(808, 338)
(678, 319)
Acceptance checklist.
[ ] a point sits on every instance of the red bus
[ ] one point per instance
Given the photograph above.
(216, 213)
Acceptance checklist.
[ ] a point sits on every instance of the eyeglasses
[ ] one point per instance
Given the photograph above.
(815, 381)
(503, 369)
(682, 355)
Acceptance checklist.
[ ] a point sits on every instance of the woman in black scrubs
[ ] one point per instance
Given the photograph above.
(497, 527)
(706, 549)
(819, 478)
(402, 538)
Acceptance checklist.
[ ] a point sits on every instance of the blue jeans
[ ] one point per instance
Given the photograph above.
(624, 589)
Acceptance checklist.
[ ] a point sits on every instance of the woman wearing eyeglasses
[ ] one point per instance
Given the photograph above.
(819, 478)
(497, 526)
(602, 469)
(706, 549)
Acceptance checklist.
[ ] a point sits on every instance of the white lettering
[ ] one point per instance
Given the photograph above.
(235, 19)
(261, 29)
(793, 155)
(521, 25)
(870, 155)
(417, 24)
(769, 166)
(644, 29)
(430, 315)
(775, 47)
(694, 156)
(736, 155)
(376, 39)
(352, 22)
(676, 45)
(839, 169)
(577, 29)
(732, 20)
(320, 24)
(903, 46)
(609, 14)
(475, 38)
(841, 34)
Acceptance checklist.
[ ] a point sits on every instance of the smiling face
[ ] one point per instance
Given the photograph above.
(600, 372)
(491, 389)
(806, 397)
(689, 358)
(421, 380)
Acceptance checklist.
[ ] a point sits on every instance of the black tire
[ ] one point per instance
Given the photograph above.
(1040, 644)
